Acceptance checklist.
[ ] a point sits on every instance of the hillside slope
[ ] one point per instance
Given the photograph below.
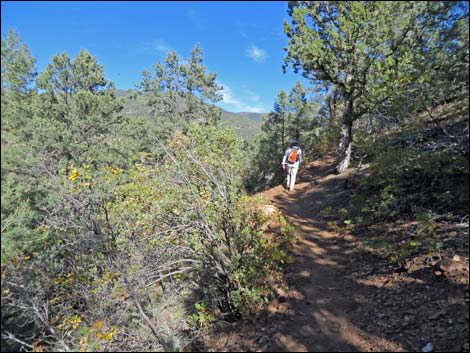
(247, 124)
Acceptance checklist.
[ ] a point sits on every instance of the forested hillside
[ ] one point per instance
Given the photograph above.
(246, 124)
(153, 220)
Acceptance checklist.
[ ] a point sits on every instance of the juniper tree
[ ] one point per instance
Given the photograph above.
(441, 58)
(361, 47)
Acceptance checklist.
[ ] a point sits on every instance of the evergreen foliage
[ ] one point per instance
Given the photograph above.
(372, 51)
(105, 217)
(132, 229)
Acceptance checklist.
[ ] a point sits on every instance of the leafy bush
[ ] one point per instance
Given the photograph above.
(192, 200)
(402, 179)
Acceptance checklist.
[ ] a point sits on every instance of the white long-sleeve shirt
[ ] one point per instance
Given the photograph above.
(286, 156)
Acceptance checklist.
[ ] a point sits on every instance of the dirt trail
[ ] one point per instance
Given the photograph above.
(321, 296)
(337, 300)
(314, 314)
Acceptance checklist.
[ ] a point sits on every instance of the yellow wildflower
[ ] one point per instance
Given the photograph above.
(115, 171)
(111, 333)
(74, 175)
(75, 321)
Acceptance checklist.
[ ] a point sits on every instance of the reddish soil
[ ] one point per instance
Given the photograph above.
(341, 297)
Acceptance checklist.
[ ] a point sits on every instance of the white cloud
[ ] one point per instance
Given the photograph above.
(253, 97)
(257, 54)
(157, 45)
(238, 105)
(227, 95)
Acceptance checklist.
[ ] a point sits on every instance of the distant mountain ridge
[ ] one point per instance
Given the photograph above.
(246, 123)
(252, 115)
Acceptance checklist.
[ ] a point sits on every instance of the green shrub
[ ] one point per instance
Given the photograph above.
(403, 179)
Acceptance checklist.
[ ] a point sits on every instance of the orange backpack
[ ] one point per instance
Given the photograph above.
(293, 156)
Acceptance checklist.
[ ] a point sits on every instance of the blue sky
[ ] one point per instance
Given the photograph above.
(242, 41)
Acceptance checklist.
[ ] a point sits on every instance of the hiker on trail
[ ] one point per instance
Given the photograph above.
(291, 162)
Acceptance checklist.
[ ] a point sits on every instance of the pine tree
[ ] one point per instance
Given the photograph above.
(182, 92)
(279, 119)
(18, 66)
(20, 193)
(299, 108)
(78, 108)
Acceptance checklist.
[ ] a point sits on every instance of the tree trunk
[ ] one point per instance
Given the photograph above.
(283, 131)
(346, 139)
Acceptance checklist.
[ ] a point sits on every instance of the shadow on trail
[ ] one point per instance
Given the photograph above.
(337, 300)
